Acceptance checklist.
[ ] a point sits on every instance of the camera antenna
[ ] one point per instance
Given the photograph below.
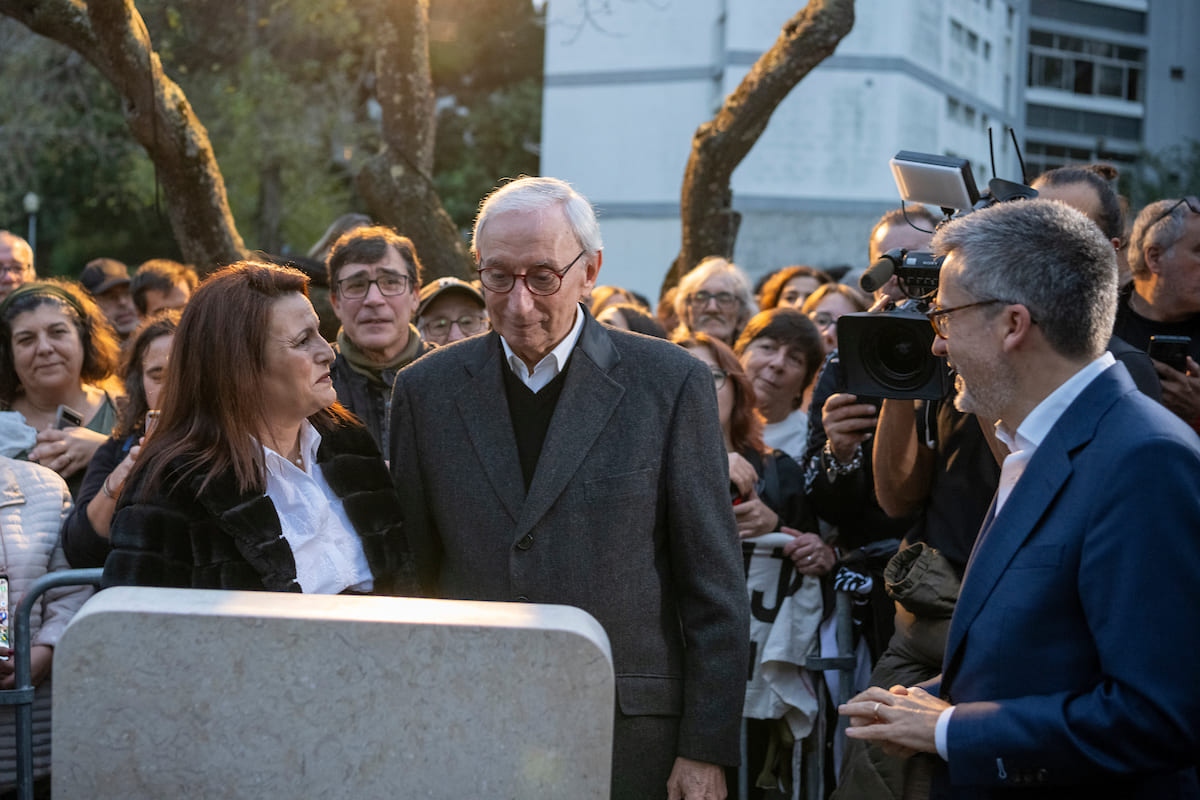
(1021, 161)
(992, 152)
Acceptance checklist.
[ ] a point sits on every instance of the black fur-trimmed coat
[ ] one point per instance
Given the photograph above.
(220, 538)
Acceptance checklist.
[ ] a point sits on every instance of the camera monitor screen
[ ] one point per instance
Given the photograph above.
(932, 180)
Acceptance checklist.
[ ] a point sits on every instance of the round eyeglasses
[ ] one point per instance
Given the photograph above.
(542, 281)
(726, 301)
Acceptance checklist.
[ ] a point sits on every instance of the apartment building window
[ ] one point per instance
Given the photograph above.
(1086, 66)
(1042, 156)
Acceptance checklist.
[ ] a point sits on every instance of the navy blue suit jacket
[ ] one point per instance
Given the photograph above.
(1072, 653)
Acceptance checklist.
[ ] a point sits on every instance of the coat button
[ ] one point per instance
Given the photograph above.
(525, 542)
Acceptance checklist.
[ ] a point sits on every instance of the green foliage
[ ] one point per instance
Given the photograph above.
(1173, 172)
(283, 88)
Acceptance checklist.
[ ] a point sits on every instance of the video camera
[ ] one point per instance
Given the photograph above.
(888, 354)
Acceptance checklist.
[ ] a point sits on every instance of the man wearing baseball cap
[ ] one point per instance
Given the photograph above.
(450, 310)
(107, 281)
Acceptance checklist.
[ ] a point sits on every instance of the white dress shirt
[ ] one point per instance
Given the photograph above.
(329, 554)
(1022, 444)
(548, 368)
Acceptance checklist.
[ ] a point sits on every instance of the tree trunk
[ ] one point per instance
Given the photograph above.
(397, 184)
(710, 224)
(111, 35)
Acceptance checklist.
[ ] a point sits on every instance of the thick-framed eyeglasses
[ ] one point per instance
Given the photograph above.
(390, 284)
(438, 329)
(542, 281)
(13, 269)
(725, 300)
(937, 316)
(719, 376)
(1192, 202)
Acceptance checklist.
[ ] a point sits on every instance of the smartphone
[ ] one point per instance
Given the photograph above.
(151, 420)
(1171, 350)
(67, 417)
(5, 637)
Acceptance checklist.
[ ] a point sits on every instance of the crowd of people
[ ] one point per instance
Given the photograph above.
(1017, 549)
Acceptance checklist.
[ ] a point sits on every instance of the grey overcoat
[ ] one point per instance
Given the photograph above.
(628, 515)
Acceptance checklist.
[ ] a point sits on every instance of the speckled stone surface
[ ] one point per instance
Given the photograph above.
(163, 693)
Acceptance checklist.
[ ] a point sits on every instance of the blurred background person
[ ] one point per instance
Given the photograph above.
(336, 230)
(161, 284)
(630, 317)
(601, 297)
(768, 492)
(143, 369)
(254, 477)
(781, 351)
(374, 285)
(450, 310)
(107, 281)
(791, 286)
(16, 262)
(665, 310)
(35, 502)
(57, 349)
(829, 303)
(714, 298)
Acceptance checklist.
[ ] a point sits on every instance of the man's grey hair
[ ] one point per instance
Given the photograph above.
(690, 283)
(537, 194)
(1164, 233)
(1046, 256)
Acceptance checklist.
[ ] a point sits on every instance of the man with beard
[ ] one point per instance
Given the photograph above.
(714, 298)
(1058, 678)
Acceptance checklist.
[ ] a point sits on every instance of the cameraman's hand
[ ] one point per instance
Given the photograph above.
(887, 294)
(1181, 391)
(848, 423)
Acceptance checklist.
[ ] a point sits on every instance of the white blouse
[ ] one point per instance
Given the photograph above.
(329, 554)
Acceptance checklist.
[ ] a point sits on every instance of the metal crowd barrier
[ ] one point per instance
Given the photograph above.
(21, 695)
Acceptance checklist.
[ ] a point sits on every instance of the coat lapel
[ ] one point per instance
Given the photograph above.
(484, 411)
(1031, 498)
(588, 400)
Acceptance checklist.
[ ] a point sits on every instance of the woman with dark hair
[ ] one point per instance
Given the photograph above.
(781, 351)
(142, 371)
(791, 286)
(254, 477)
(772, 513)
(628, 317)
(56, 350)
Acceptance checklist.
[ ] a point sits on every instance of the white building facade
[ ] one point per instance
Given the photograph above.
(628, 82)
(625, 91)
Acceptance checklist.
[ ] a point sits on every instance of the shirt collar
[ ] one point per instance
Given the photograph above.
(1037, 423)
(310, 440)
(554, 360)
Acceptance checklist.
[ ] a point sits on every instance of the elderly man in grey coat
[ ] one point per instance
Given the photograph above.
(556, 461)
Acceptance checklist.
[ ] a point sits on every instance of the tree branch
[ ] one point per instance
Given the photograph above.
(112, 36)
(706, 204)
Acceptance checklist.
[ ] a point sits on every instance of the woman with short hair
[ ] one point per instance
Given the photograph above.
(254, 477)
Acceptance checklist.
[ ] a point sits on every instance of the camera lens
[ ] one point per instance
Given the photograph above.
(898, 355)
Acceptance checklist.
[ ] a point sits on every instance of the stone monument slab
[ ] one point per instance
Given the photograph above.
(169, 693)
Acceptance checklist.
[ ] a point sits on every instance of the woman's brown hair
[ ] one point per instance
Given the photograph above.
(745, 422)
(132, 416)
(773, 288)
(213, 416)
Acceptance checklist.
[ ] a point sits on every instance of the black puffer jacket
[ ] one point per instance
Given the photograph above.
(220, 538)
(369, 400)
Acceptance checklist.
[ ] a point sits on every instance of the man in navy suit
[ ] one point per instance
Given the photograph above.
(1070, 668)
